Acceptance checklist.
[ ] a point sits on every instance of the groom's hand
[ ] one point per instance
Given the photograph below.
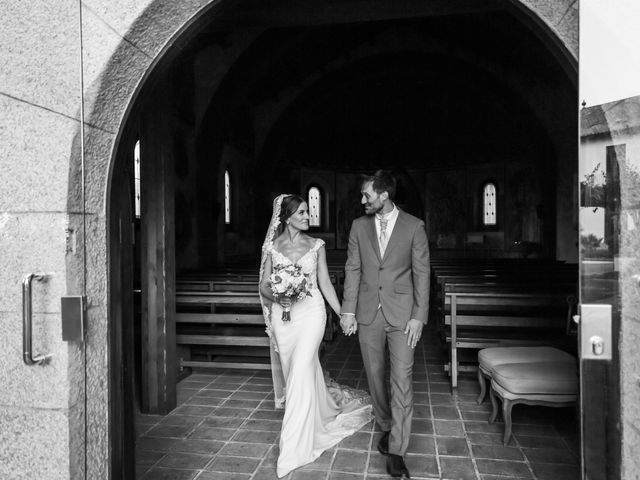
(348, 323)
(414, 329)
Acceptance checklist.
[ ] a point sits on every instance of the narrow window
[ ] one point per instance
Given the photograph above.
(227, 198)
(136, 177)
(489, 210)
(314, 207)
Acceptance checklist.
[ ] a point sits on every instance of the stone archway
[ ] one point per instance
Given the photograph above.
(117, 69)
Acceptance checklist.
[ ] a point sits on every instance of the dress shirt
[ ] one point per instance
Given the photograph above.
(391, 217)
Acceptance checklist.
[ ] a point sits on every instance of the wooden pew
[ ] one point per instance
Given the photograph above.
(232, 322)
(476, 320)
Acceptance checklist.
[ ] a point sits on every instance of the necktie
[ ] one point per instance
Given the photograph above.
(383, 234)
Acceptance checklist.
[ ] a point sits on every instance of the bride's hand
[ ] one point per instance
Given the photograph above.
(284, 301)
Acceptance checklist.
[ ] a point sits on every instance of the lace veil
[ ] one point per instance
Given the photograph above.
(276, 367)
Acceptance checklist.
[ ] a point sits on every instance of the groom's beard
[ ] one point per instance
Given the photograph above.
(370, 210)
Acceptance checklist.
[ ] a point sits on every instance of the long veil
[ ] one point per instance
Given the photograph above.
(276, 367)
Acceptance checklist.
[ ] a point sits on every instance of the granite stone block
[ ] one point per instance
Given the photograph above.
(35, 157)
(34, 443)
(30, 71)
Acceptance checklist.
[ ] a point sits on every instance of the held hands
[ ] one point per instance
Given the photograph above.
(414, 329)
(348, 324)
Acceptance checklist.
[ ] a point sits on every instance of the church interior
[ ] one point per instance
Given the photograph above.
(472, 111)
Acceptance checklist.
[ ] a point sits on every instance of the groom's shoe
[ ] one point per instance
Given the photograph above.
(396, 467)
(383, 444)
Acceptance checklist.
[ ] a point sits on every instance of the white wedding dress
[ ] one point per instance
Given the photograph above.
(318, 412)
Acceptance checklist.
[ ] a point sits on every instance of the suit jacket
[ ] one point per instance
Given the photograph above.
(399, 281)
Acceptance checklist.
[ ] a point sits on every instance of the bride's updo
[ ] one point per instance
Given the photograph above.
(289, 206)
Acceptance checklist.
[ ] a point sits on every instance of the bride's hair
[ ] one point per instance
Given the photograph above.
(289, 206)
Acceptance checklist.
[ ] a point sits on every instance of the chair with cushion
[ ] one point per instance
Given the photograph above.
(550, 384)
(490, 358)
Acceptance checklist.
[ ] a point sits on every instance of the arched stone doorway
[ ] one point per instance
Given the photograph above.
(116, 83)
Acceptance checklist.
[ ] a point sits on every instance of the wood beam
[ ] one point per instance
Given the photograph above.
(158, 331)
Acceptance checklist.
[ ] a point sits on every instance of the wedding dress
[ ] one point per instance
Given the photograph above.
(319, 412)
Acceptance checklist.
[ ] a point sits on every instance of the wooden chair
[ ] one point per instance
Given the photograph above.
(548, 384)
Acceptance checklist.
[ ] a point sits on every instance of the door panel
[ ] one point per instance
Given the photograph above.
(122, 403)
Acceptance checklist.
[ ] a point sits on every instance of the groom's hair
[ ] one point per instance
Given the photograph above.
(382, 181)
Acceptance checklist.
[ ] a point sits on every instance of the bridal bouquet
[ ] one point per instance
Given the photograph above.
(289, 281)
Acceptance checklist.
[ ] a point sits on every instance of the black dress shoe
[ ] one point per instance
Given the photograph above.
(383, 444)
(396, 467)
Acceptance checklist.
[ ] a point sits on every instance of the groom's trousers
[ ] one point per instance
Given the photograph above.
(393, 409)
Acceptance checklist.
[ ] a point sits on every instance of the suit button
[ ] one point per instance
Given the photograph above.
(379, 288)
(380, 268)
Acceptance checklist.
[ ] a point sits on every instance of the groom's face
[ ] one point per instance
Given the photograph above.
(372, 201)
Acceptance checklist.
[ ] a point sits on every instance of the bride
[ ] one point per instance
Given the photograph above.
(319, 412)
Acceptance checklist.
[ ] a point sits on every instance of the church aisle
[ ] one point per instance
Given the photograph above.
(225, 427)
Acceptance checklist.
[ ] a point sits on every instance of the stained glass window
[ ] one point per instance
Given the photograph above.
(136, 176)
(227, 198)
(489, 210)
(314, 207)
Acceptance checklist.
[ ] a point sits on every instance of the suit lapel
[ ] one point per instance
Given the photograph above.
(371, 232)
(396, 234)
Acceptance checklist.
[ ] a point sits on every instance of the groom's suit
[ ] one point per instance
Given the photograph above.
(385, 292)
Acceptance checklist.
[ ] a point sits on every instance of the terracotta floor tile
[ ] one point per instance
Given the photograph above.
(255, 437)
(157, 473)
(193, 410)
(170, 431)
(550, 471)
(310, 475)
(344, 476)
(262, 425)
(445, 413)
(148, 458)
(498, 452)
(551, 455)
(449, 428)
(193, 445)
(422, 426)
(540, 442)
(422, 444)
(422, 465)
(502, 467)
(350, 461)
(243, 449)
(452, 446)
(186, 461)
(357, 441)
(155, 444)
(222, 422)
(233, 464)
(232, 412)
(224, 476)
(212, 433)
(267, 414)
(458, 467)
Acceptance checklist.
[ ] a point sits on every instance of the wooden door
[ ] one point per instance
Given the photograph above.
(121, 337)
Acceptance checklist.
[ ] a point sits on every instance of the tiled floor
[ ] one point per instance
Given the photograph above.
(225, 427)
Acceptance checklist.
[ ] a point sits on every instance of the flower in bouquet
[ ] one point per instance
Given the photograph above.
(289, 281)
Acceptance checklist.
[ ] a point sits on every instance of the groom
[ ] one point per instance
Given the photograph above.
(386, 298)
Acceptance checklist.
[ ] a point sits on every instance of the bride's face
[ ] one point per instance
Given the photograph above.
(300, 219)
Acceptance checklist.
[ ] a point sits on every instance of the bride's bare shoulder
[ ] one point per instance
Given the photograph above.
(309, 240)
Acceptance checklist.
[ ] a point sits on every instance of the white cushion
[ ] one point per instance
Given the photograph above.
(540, 378)
(489, 358)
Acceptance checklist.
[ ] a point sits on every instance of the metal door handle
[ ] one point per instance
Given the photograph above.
(27, 329)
